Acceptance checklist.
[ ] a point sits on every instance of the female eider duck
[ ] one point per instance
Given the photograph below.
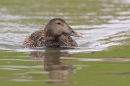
(56, 33)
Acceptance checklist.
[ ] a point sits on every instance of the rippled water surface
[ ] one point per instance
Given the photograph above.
(103, 23)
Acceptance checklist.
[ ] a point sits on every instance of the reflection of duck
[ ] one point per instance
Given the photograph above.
(57, 71)
(56, 33)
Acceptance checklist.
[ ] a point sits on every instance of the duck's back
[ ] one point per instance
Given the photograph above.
(36, 39)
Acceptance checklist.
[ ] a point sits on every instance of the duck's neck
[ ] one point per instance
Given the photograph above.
(51, 41)
(63, 40)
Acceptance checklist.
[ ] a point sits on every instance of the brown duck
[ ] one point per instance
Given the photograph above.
(56, 33)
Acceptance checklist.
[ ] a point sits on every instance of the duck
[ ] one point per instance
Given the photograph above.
(56, 33)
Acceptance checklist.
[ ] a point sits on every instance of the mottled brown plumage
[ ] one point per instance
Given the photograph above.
(57, 33)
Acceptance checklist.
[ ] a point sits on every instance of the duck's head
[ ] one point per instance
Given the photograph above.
(57, 27)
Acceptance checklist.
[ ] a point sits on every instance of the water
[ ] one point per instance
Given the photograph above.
(103, 23)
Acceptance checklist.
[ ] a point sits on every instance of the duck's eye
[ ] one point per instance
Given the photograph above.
(59, 23)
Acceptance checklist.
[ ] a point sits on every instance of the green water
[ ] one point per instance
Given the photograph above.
(104, 25)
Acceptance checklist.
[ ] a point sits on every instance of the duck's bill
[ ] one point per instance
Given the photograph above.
(76, 34)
